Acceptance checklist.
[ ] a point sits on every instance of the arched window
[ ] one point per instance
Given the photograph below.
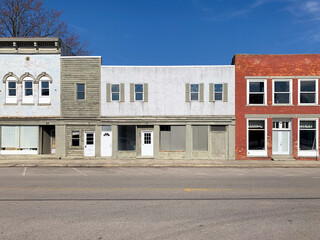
(27, 88)
(45, 81)
(11, 82)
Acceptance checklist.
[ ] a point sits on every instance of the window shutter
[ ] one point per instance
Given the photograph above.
(108, 92)
(122, 96)
(225, 92)
(211, 99)
(201, 91)
(131, 92)
(145, 92)
(187, 92)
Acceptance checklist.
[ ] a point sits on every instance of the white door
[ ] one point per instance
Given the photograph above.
(89, 145)
(281, 136)
(147, 143)
(106, 144)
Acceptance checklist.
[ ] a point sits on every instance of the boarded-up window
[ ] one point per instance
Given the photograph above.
(172, 138)
(218, 128)
(200, 138)
(126, 138)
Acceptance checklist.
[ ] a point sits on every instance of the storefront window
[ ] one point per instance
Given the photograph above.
(126, 138)
(256, 133)
(307, 135)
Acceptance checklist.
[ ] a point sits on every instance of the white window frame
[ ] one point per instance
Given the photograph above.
(308, 153)
(316, 92)
(43, 99)
(11, 99)
(116, 92)
(27, 99)
(190, 93)
(290, 91)
(214, 92)
(138, 92)
(258, 153)
(265, 91)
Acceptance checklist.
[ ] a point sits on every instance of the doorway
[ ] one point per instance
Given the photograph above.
(89, 144)
(281, 137)
(147, 143)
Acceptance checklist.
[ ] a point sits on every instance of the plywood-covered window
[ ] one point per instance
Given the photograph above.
(172, 138)
(200, 138)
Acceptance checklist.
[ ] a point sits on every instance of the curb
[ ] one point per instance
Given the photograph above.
(156, 165)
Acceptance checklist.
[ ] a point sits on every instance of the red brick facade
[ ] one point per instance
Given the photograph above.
(270, 66)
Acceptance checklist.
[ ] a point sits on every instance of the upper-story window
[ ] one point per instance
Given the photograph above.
(257, 92)
(11, 90)
(115, 92)
(308, 93)
(218, 91)
(138, 92)
(281, 91)
(81, 91)
(27, 90)
(194, 92)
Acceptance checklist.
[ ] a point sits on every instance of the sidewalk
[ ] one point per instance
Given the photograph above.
(94, 162)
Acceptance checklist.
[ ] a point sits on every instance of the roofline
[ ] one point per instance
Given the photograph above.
(164, 66)
(80, 57)
(30, 39)
(276, 54)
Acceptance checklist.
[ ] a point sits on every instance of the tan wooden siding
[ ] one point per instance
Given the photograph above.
(80, 70)
(76, 151)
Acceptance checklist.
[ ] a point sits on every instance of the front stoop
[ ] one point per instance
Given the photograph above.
(282, 158)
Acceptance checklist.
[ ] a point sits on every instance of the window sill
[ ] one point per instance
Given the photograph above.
(10, 104)
(75, 147)
(308, 105)
(44, 104)
(282, 105)
(27, 104)
(257, 156)
(170, 151)
(308, 154)
(256, 105)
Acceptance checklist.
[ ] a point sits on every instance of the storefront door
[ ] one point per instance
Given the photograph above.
(281, 137)
(89, 144)
(147, 143)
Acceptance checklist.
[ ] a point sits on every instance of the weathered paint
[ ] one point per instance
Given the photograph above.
(166, 90)
(19, 65)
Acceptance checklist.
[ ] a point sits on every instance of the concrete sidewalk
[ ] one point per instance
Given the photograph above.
(96, 162)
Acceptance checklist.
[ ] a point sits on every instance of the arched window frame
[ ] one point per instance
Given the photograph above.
(27, 98)
(8, 79)
(42, 79)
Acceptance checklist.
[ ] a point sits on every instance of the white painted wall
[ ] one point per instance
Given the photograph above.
(37, 64)
(167, 90)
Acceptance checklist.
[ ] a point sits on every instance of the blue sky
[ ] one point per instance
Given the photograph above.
(191, 32)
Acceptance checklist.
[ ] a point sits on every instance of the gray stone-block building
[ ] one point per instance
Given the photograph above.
(58, 105)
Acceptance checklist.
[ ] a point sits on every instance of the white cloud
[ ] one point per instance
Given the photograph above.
(312, 7)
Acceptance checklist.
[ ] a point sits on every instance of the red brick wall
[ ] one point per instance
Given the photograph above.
(271, 65)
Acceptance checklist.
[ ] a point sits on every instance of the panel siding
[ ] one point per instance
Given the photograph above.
(76, 151)
(81, 70)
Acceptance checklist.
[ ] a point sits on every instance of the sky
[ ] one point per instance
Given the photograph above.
(191, 32)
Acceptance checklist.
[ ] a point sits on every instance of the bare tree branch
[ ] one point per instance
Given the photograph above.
(29, 18)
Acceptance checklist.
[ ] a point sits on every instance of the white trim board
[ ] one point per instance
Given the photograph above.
(279, 77)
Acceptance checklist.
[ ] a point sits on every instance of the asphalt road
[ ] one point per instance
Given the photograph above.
(159, 203)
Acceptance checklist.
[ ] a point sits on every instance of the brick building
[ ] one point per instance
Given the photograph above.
(277, 106)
